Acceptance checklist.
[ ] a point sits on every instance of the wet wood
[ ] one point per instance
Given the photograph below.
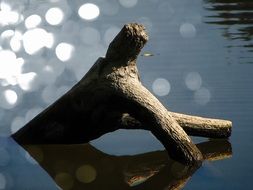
(99, 102)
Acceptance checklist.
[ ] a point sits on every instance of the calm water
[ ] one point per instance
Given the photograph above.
(201, 64)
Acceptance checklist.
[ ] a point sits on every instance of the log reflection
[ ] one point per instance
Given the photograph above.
(85, 167)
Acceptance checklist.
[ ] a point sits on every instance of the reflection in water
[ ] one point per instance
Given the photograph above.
(17, 168)
(235, 17)
(85, 167)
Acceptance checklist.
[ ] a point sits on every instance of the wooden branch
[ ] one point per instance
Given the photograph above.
(205, 127)
(193, 125)
(97, 103)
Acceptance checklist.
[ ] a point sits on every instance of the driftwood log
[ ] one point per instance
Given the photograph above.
(110, 96)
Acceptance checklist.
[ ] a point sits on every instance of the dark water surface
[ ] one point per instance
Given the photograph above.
(198, 61)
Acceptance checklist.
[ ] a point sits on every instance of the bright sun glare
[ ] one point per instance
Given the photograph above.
(54, 16)
(89, 11)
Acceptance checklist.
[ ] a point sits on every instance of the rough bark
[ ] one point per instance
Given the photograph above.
(205, 127)
(96, 104)
(192, 125)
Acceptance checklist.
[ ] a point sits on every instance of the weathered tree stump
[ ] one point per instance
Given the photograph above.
(110, 96)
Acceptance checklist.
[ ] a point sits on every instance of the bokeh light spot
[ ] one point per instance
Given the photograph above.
(128, 3)
(89, 11)
(86, 173)
(25, 81)
(15, 44)
(161, 87)
(4, 6)
(7, 33)
(193, 81)
(11, 96)
(37, 38)
(64, 51)
(8, 99)
(15, 41)
(32, 21)
(187, 30)
(54, 16)
(10, 66)
(7, 16)
(64, 180)
(202, 96)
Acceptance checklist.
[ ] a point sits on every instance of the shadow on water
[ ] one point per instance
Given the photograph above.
(85, 167)
(235, 19)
